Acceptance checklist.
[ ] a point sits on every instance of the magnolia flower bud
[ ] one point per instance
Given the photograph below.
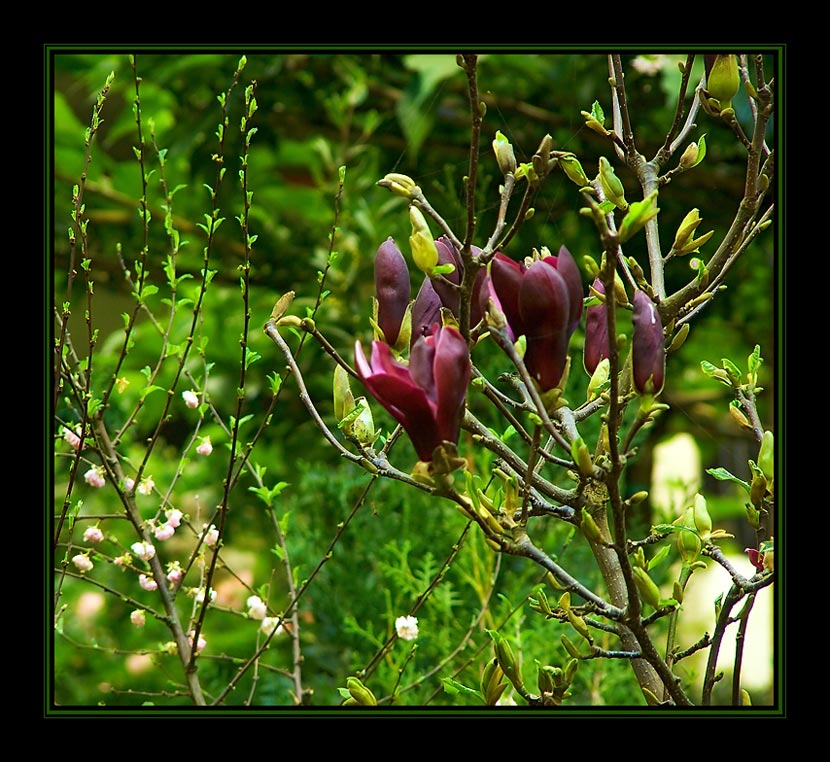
(504, 154)
(684, 240)
(723, 80)
(573, 170)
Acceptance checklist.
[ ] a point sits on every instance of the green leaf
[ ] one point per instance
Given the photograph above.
(454, 688)
(721, 474)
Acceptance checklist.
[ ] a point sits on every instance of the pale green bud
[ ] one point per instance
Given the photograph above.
(504, 154)
(599, 378)
(612, 186)
(687, 542)
(343, 399)
(723, 80)
(639, 213)
(766, 456)
(702, 519)
(573, 170)
(684, 240)
(647, 587)
(360, 693)
(400, 185)
(424, 250)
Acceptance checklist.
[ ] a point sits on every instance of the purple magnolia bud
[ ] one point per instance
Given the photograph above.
(544, 306)
(427, 396)
(596, 332)
(426, 310)
(568, 269)
(392, 289)
(648, 350)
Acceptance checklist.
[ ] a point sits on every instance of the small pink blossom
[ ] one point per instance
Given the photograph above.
(174, 517)
(211, 536)
(205, 448)
(82, 563)
(146, 486)
(72, 438)
(94, 478)
(93, 534)
(201, 643)
(147, 583)
(174, 573)
(137, 617)
(191, 399)
(123, 561)
(129, 483)
(144, 550)
(164, 532)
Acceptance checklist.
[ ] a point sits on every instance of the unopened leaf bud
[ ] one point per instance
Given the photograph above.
(702, 519)
(572, 168)
(639, 213)
(694, 154)
(679, 338)
(582, 457)
(504, 154)
(343, 398)
(360, 693)
(647, 587)
(684, 240)
(738, 415)
(599, 378)
(570, 647)
(579, 624)
(590, 528)
(507, 661)
(569, 673)
(400, 185)
(424, 249)
(612, 186)
(757, 490)
(638, 497)
(766, 455)
(282, 305)
(687, 541)
(723, 80)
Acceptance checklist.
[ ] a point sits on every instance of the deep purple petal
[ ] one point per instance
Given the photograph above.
(506, 277)
(647, 351)
(452, 376)
(569, 270)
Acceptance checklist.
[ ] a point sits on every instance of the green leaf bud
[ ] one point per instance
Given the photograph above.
(612, 186)
(570, 647)
(492, 683)
(343, 399)
(282, 305)
(505, 156)
(360, 693)
(639, 213)
(507, 661)
(723, 80)
(573, 170)
(582, 457)
(424, 250)
(400, 185)
(687, 541)
(694, 154)
(590, 528)
(647, 587)
(702, 519)
(579, 624)
(684, 240)
(766, 455)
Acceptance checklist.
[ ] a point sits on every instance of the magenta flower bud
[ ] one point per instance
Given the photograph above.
(542, 302)
(596, 332)
(427, 397)
(544, 306)
(392, 289)
(648, 350)
(426, 310)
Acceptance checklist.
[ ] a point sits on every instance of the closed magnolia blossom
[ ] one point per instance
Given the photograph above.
(596, 332)
(427, 396)
(392, 290)
(543, 303)
(648, 352)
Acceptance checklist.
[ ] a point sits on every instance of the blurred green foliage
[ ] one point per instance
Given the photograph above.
(373, 113)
